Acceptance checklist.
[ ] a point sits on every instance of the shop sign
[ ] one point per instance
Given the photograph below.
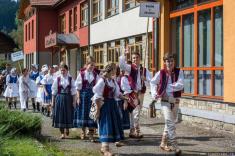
(17, 56)
(50, 40)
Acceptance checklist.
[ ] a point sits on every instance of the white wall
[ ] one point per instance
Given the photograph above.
(121, 25)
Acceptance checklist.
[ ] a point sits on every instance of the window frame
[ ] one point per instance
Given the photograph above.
(75, 19)
(109, 9)
(99, 12)
(112, 56)
(125, 2)
(195, 9)
(98, 55)
(84, 11)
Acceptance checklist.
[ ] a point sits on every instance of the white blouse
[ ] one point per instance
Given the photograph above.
(64, 82)
(22, 81)
(98, 89)
(171, 87)
(125, 86)
(127, 67)
(89, 76)
(47, 79)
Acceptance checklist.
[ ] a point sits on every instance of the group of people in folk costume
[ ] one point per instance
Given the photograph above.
(33, 85)
(117, 93)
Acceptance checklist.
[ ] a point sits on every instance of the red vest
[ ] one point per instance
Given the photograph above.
(164, 79)
(85, 83)
(133, 78)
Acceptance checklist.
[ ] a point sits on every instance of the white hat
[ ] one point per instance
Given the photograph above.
(44, 68)
(55, 66)
(34, 65)
(13, 70)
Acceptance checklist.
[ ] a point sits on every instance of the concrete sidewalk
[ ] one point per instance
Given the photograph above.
(192, 140)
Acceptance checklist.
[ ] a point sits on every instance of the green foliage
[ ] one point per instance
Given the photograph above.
(26, 146)
(20, 122)
(7, 14)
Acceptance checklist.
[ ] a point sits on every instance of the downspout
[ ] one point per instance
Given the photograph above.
(37, 38)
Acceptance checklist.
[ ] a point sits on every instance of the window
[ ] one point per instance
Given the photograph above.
(26, 32)
(70, 21)
(84, 14)
(62, 24)
(134, 44)
(111, 7)
(29, 31)
(128, 4)
(32, 29)
(75, 21)
(197, 39)
(181, 4)
(113, 52)
(96, 10)
(98, 55)
(84, 53)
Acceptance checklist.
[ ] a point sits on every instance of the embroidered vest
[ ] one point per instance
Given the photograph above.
(133, 78)
(66, 90)
(109, 92)
(164, 80)
(85, 83)
(34, 76)
(13, 79)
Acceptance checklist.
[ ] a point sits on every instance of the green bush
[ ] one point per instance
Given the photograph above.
(20, 122)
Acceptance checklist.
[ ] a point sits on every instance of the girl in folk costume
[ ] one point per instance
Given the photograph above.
(106, 91)
(12, 90)
(125, 115)
(167, 84)
(24, 89)
(33, 86)
(63, 101)
(47, 82)
(86, 80)
(40, 93)
(139, 77)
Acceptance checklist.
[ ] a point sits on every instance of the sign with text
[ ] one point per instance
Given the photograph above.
(50, 40)
(17, 56)
(150, 9)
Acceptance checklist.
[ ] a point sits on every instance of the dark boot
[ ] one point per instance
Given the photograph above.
(42, 110)
(15, 104)
(34, 107)
(27, 105)
(38, 106)
(9, 105)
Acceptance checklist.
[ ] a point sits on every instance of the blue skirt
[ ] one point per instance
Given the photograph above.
(47, 99)
(63, 111)
(124, 115)
(81, 114)
(110, 129)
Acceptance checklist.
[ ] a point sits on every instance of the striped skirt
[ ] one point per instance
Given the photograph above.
(124, 115)
(81, 113)
(63, 111)
(110, 129)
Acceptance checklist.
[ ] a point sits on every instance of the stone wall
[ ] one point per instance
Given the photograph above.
(202, 113)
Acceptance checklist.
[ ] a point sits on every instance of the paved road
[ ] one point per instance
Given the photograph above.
(192, 140)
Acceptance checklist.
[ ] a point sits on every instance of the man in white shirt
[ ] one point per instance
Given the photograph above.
(138, 77)
(167, 84)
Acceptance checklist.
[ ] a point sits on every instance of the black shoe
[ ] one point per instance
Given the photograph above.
(38, 107)
(9, 105)
(15, 104)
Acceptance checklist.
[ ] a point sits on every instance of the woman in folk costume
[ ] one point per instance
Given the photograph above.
(106, 91)
(63, 101)
(125, 115)
(12, 90)
(24, 89)
(47, 82)
(167, 84)
(40, 93)
(86, 80)
(34, 73)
